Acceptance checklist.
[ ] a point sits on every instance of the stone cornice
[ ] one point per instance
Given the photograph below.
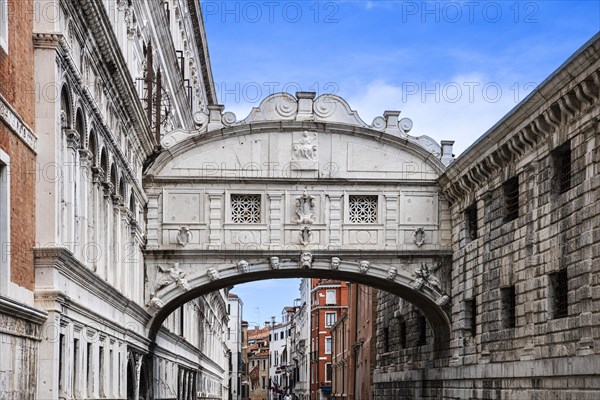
(201, 42)
(572, 93)
(116, 65)
(15, 123)
(63, 261)
(22, 311)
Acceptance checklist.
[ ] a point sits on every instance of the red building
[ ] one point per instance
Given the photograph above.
(354, 346)
(329, 301)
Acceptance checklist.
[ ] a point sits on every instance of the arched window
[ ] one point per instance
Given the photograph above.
(93, 148)
(65, 108)
(80, 127)
(104, 161)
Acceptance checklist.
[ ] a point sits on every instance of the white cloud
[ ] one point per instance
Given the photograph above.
(461, 109)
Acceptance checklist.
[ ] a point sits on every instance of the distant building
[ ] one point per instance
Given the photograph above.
(257, 367)
(280, 344)
(329, 301)
(235, 307)
(300, 343)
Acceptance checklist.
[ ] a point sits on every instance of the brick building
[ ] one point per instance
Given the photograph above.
(329, 301)
(20, 319)
(354, 345)
(524, 283)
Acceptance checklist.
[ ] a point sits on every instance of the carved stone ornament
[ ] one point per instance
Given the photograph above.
(419, 237)
(306, 260)
(176, 275)
(364, 266)
(442, 301)
(243, 267)
(335, 263)
(184, 236)
(156, 303)
(305, 209)
(425, 277)
(305, 236)
(212, 274)
(306, 148)
(274, 262)
(391, 275)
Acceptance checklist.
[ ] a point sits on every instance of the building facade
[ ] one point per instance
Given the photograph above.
(300, 343)
(235, 308)
(20, 318)
(329, 301)
(111, 79)
(354, 345)
(525, 217)
(281, 369)
(257, 366)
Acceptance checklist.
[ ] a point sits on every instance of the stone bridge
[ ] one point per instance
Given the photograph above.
(302, 187)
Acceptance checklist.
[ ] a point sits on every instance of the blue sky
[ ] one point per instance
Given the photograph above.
(454, 68)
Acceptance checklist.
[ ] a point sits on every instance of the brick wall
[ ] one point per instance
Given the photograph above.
(17, 87)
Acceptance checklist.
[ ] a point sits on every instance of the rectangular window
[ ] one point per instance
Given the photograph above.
(330, 297)
(4, 25)
(362, 209)
(403, 334)
(88, 372)
(101, 369)
(559, 291)
(61, 355)
(245, 208)
(472, 315)
(328, 345)
(511, 198)
(561, 158)
(386, 339)
(330, 319)
(422, 322)
(75, 365)
(281, 336)
(509, 316)
(328, 372)
(263, 383)
(471, 222)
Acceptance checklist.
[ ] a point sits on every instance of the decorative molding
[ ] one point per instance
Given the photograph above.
(16, 124)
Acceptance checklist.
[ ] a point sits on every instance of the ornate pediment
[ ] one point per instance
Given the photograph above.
(304, 107)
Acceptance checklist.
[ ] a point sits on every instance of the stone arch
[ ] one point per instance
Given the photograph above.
(390, 277)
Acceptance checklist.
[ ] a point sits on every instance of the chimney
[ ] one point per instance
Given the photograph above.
(267, 324)
(273, 320)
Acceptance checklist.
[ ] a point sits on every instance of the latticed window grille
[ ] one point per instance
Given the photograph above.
(245, 208)
(362, 209)
(560, 287)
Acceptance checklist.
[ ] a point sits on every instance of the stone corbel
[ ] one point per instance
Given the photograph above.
(72, 138)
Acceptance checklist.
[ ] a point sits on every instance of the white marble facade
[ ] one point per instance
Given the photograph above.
(96, 61)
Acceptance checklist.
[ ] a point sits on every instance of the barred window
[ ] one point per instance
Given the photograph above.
(471, 221)
(562, 167)
(509, 316)
(472, 315)
(403, 334)
(511, 198)
(422, 323)
(245, 208)
(560, 290)
(362, 209)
